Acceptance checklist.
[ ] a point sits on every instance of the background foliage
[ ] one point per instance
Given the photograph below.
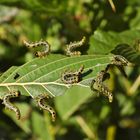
(80, 115)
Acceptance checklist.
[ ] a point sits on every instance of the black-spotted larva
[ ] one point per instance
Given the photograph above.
(37, 44)
(98, 86)
(69, 77)
(9, 105)
(40, 100)
(120, 61)
(73, 45)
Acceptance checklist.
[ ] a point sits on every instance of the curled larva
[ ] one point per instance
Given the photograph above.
(98, 86)
(40, 100)
(73, 45)
(120, 61)
(69, 77)
(9, 105)
(38, 44)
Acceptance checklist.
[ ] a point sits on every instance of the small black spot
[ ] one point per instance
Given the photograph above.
(16, 76)
(36, 54)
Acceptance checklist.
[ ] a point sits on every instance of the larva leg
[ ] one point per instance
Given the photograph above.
(9, 105)
(73, 45)
(40, 100)
(38, 44)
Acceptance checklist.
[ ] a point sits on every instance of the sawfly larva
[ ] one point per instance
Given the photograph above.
(38, 44)
(98, 86)
(73, 45)
(69, 77)
(9, 105)
(41, 103)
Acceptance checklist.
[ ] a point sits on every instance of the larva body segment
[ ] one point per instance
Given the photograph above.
(100, 76)
(102, 89)
(73, 45)
(41, 103)
(9, 105)
(38, 44)
(69, 77)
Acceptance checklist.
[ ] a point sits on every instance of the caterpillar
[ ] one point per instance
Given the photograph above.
(73, 45)
(16, 76)
(98, 86)
(120, 61)
(37, 44)
(40, 100)
(69, 77)
(9, 105)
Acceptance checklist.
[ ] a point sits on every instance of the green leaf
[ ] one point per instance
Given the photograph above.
(43, 75)
(50, 7)
(41, 127)
(67, 104)
(104, 42)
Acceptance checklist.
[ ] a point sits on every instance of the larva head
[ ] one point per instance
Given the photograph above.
(17, 93)
(83, 39)
(92, 84)
(25, 43)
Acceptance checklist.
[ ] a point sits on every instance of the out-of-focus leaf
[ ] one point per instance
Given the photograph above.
(51, 7)
(134, 23)
(126, 105)
(104, 42)
(5, 15)
(67, 104)
(41, 127)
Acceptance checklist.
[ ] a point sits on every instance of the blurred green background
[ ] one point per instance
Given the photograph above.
(80, 115)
